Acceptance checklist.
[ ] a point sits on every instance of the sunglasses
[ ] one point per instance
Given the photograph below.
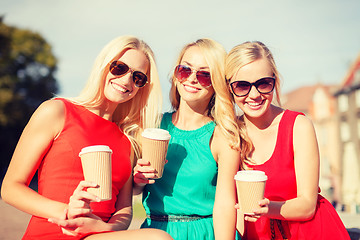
(243, 88)
(119, 68)
(183, 72)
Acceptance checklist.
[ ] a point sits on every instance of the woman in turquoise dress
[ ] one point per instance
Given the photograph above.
(195, 197)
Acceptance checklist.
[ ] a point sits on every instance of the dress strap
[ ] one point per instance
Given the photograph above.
(280, 227)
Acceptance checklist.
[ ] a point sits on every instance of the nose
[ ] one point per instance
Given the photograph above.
(127, 79)
(254, 93)
(192, 78)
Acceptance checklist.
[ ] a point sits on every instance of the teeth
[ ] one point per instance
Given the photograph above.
(191, 88)
(120, 88)
(254, 104)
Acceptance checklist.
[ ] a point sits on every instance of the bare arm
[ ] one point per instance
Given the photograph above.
(45, 124)
(224, 212)
(306, 160)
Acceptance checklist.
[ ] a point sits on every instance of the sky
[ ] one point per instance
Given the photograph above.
(312, 41)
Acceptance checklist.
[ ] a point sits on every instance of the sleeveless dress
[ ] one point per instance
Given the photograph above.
(60, 170)
(281, 186)
(181, 202)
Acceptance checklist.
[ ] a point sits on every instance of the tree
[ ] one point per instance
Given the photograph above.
(27, 68)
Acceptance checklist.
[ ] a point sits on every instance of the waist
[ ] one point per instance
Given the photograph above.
(176, 218)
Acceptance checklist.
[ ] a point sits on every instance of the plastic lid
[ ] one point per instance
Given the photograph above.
(95, 148)
(156, 133)
(250, 176)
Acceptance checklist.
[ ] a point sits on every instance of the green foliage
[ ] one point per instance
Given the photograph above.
(27, 68)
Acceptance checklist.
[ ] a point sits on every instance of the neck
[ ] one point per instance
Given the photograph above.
(265, 120)
(105, 111)
(189, 117)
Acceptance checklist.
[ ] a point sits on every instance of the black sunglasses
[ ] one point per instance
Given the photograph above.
(119, 68)
(183, 72)
(243, 88)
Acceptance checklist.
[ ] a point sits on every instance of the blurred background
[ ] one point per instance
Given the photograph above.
(47, 48)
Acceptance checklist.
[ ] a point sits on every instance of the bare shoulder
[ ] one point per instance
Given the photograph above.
(218, 138)
(220, 146)
(49, 115)
(51, 107)
(304, 131)
(303, 123)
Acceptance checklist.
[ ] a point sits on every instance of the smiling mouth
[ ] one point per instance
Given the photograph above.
(191, 88)
(255, 104)
(119, 88)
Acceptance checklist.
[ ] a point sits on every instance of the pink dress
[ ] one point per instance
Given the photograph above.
(60, 170)
(281, 186)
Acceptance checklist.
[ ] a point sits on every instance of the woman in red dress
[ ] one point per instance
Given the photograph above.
(283, 144)
(119, 100)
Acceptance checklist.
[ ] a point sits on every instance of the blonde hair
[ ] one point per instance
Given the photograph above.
(220, 107)
(143, 110)
(238, 57)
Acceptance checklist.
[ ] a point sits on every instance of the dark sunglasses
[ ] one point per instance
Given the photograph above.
(119, 68)
(183, 72)
(243, 88)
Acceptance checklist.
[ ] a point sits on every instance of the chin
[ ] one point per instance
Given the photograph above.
(119, 99)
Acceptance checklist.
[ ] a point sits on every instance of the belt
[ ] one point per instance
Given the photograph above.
(177, 218)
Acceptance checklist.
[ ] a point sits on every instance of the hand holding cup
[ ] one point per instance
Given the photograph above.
(144, 173)
(155, 143)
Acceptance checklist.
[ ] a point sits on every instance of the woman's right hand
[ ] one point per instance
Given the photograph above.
(80, 225)
(143, 173)
(79, 203)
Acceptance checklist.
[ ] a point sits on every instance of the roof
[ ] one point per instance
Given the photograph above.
(349, 78)
(301, 99)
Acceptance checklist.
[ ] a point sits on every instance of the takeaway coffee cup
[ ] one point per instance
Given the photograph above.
(250, 185)
(96, 163)
(155, 143)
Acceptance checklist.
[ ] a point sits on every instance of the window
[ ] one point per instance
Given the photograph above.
(357, 97)
(344, 132)
(343, 103)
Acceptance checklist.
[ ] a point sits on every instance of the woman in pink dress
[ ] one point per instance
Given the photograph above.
(119, 100)
(283, 144)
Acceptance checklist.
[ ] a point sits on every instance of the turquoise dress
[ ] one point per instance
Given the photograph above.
(181, 202)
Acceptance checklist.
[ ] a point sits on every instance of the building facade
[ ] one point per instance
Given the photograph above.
(348, 118)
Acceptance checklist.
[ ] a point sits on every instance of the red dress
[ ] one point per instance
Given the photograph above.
(281, 186)
(60, 170)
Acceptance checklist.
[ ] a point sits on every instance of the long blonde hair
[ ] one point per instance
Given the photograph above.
(238, 57)
(220, 107)
(143, 110)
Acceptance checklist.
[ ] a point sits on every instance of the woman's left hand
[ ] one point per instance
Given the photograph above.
(257, 213)
(263, 210)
